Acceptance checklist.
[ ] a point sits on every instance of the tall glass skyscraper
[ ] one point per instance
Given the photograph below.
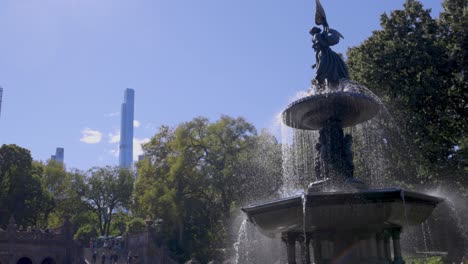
(126, 130)
(1, 95)
(59, 155)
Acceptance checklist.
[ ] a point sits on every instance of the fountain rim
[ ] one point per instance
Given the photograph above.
(337, 198)
(304, 104)
(330, 94)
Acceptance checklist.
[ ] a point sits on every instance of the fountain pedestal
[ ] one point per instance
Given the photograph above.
(343, 227)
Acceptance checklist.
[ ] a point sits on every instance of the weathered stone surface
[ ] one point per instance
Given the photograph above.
(39, 246)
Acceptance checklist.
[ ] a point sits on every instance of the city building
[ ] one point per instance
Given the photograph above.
(126, 130)
(59, 155)
(1, 95)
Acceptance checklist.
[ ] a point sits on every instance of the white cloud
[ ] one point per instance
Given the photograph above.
(90, 136)
(114, 114)
(114, 137)
(137, 150)
(136, 123)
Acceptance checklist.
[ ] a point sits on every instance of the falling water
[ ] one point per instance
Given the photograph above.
(298, 160)
(304, 203)
(298, 147)
(298, 155)
(241, 239)
(304, 219)
(458, 219)
(425, 241)
(288, 172)
(429, 234)
(252, 247)
(402, 195)
(370, 146)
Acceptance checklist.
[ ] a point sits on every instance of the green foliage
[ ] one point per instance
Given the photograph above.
(119, 223)
(22, 194)
(136, 225)
(415, 65)
(106, 190)
(85, 233)
(430, 260)
(67, 189)
(195, 176)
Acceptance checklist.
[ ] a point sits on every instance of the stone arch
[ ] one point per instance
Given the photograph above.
(48, 260)
(24, 260)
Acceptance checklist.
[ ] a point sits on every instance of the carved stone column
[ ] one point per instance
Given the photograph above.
(398, 259)
(380, 246)
(387, 250)
(317, 246)
(290, 240)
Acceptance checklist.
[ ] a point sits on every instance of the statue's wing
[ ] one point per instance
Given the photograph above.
(335, 32)
(320, 17)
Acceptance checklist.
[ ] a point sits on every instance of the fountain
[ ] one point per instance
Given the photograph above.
(339, 217)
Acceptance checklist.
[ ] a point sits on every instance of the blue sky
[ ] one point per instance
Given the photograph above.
(64, 65)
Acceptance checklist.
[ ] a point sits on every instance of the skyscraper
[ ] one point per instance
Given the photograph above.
(1, 95)
(126, 130)
(59, 155)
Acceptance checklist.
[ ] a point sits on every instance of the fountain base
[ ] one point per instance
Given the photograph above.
(368, 245)
(355, 227)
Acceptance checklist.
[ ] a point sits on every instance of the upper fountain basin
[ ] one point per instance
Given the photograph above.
(342, 210)
(314, 111)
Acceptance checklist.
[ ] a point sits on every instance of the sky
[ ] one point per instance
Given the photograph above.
(64, 65)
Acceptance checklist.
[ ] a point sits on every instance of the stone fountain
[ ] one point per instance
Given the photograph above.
(338, 219)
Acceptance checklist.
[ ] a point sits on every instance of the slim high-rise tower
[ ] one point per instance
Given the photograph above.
(59, 155)
(126, 130)
(1, 95)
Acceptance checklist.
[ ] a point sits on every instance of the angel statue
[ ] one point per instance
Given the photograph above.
(330, 66)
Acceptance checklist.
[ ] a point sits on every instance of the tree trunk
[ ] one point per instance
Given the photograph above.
(109, 220)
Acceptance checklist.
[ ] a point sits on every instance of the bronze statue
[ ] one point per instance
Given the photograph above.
(330, 66)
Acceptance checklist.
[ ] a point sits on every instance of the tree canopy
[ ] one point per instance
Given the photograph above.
(108, 189)
(195, 176)
(416, 65)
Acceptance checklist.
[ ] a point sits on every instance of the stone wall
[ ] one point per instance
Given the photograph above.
(39, 246)
(146, 245)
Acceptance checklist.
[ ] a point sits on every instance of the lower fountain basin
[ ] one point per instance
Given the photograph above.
(314, 111)
(368, 209)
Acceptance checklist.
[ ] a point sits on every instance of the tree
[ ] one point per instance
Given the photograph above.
(136, 225)
(85, 233)
(453, 23)
(68, 189)
(417, 66)
(108, 189)
(22, 194)
(196, 176)
(414, 64)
